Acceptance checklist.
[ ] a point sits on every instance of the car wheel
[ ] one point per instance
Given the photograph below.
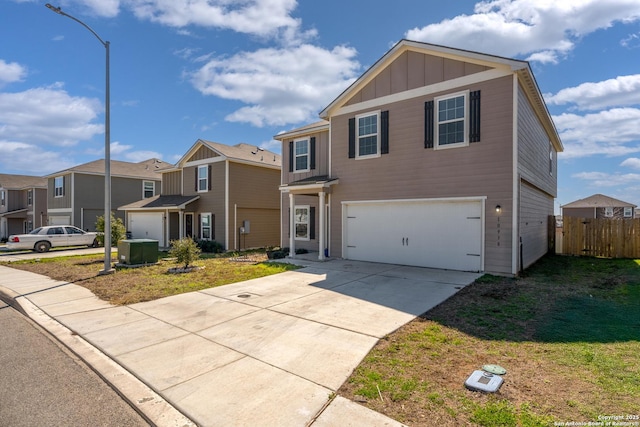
(42, 246)
(94, 244)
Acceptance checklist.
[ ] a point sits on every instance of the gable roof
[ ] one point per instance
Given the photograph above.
(599, 201)
(303, 130)
(242, 153)
(521, 68)
(20, 182)
(147, 169)
(160, 202)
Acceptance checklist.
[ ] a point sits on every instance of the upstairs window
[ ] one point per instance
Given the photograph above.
(367, 138)
(58, 186)
(550, 159)
(2, 198)
(148, 189)
(202, 178)
(451, 129)
(29, 198)
(301, 150)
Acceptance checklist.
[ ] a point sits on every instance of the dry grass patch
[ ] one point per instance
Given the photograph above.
(132, 285)
(568, 333)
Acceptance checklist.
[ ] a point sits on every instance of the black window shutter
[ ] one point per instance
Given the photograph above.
(291, 156)
(384, 132)
(428, 124)
(312, 223)
(213, 227)
(352, 138)
(474, 116)
(209, 176)
(313, 152)
(199, 225)
(196, 178)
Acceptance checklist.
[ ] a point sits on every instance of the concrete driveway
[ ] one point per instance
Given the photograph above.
(268, 351)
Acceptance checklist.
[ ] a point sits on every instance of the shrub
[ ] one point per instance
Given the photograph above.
(210, 246)
(118, 230)
(185, 251)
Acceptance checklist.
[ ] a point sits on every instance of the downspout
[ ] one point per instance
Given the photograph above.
(226, 203)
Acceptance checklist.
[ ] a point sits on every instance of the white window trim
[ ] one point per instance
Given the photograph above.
(206, 185)
(295, 156)
(377, 153)
(628, 210)
(202, 227)
(2, 197)
(153, 188)
(55, 187)
(436, 104)
(608, 212)
(308, 208)
(29, 197)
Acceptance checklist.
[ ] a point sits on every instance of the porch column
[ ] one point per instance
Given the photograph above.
(292, 226)
(321, 220)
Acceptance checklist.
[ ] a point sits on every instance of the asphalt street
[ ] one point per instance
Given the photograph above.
(43, 384)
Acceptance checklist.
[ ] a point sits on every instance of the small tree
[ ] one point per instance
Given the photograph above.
(185, 251)
(118, 230)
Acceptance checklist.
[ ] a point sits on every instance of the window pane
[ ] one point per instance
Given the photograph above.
(301, 230)
(301, 215)
(302, 147)
(368, 145)
(301, 163)
(367, 125)
(205, 221)
(451, 133)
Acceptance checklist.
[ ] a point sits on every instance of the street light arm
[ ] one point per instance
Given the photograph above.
(59, 11)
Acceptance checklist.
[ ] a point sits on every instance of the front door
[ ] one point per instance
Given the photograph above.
(188, 225)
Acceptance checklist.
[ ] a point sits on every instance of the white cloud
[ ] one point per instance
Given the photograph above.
(48, 115)
(631, 162)
(603, 179)
(632, 41)
(546, 30)
(607, 132)
(141, 155)
(281, 86)
(258, 17)
(619, 92)
(30, 158)
(11, 72)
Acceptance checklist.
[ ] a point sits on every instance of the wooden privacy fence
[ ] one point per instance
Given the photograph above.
(601, 237)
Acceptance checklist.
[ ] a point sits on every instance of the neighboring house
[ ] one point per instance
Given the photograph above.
(23, 204)
(215, 192)
(599, 206)
(76, 195)
(434, 157)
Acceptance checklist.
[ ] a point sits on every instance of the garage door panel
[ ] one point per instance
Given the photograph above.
(147, 226)
(421, 233)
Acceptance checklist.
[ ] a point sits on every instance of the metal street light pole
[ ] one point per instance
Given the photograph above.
(107, 148)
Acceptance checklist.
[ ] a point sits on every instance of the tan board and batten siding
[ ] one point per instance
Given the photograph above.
(213, 202)
(253, 196)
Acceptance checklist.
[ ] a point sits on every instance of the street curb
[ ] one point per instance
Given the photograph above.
(149, 404)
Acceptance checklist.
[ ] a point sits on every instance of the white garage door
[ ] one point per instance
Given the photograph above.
(60, 220)
(147, 225)
(437, 234)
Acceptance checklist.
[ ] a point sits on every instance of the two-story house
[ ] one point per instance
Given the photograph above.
(218, 192)
(75, 196)
(23, 204)
(434, 157)
(599, 206)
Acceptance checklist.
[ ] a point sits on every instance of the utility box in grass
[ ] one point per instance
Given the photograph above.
(137, 251)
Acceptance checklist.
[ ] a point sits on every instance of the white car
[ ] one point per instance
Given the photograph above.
(44, 238)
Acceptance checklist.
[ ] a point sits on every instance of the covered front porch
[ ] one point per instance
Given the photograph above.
(309, 199)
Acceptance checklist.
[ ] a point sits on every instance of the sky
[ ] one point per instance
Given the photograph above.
(234, 71)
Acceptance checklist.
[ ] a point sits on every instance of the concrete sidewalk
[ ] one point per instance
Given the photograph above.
(269, 351)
